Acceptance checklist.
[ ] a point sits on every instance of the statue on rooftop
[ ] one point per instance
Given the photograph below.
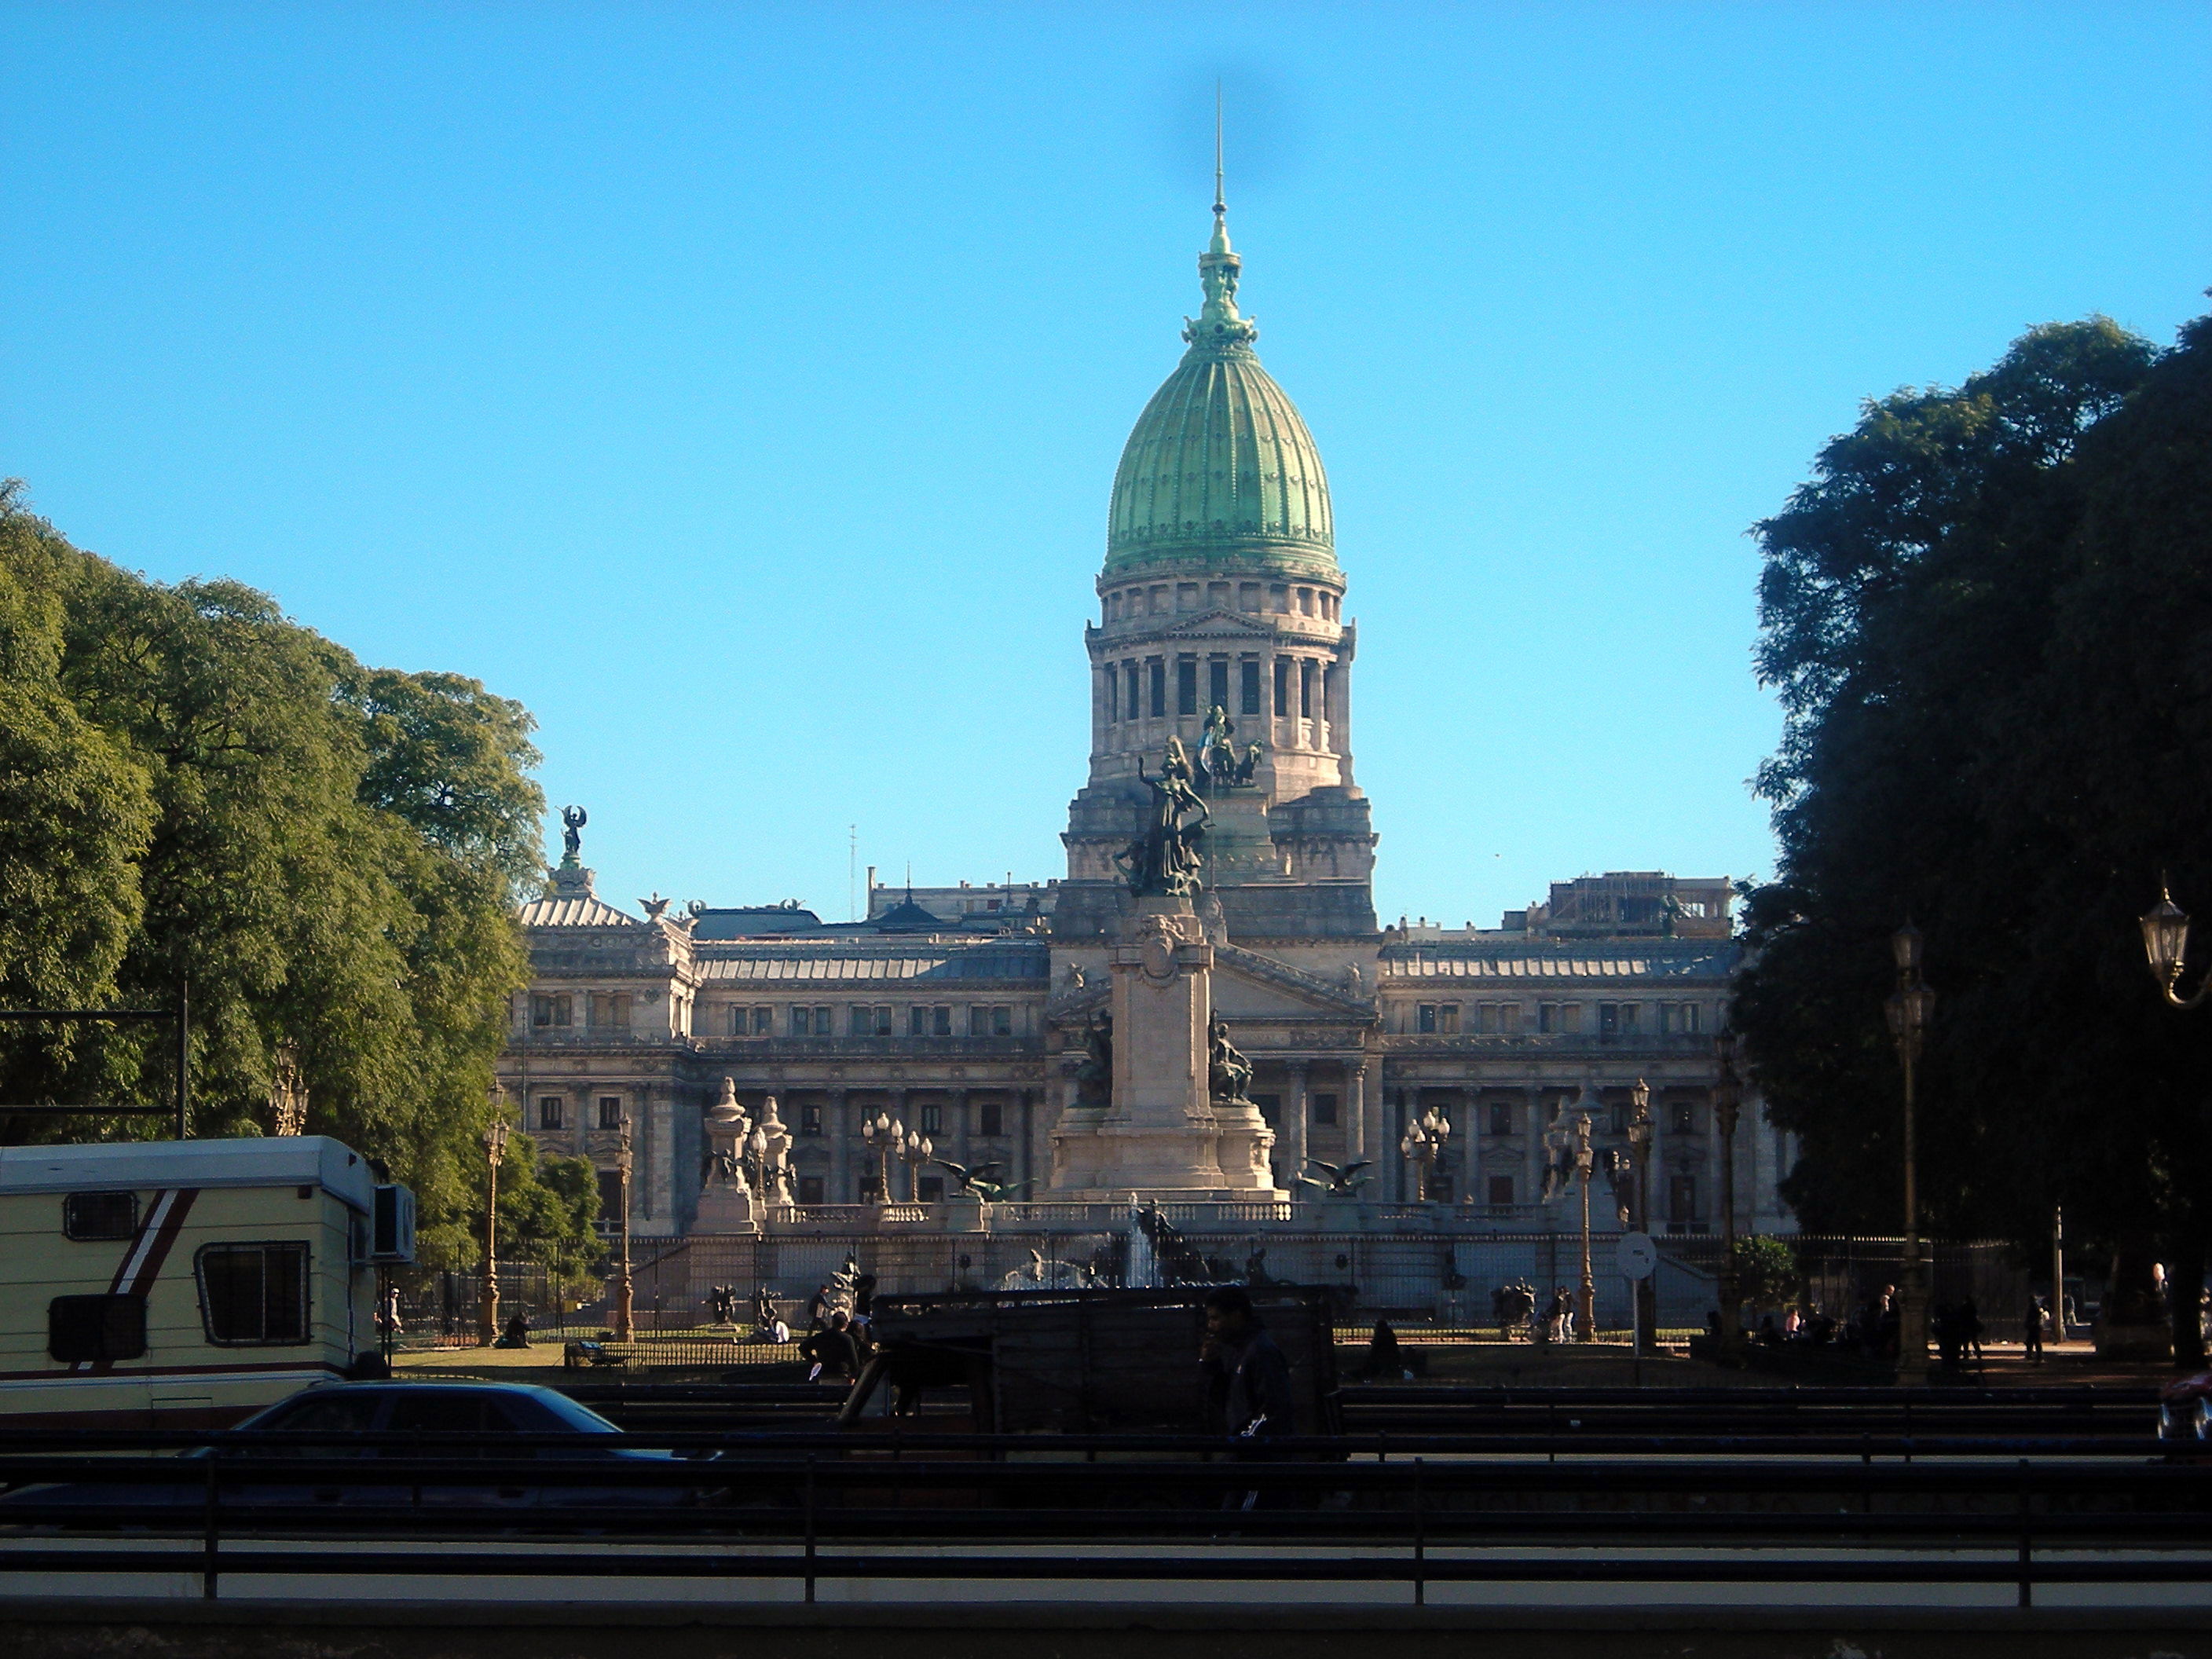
(572, 839)
(1228, 1072)
(1165, 860)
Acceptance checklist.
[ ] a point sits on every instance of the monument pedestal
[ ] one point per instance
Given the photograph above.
(1161, 1133)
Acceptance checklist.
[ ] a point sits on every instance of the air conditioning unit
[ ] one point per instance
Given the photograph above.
(391, 1225)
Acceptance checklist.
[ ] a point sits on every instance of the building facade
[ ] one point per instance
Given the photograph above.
(963, 1013)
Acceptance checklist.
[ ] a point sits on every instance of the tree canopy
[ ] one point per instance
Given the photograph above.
(1989, 616)
(195, 787)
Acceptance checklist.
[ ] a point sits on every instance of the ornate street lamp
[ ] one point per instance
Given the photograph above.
(1909, 1009)
(918, 1151)
(1422, 1144)
(495, 1146)
(1727, 1105)
(2165, 942)
(623, 1288)
(1639, 1157)
(883, 1134)
(1585, 1161)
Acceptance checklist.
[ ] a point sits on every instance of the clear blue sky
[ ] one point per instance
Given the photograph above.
(740, 387)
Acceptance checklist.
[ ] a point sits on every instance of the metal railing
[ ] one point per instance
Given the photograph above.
(1374, 1509)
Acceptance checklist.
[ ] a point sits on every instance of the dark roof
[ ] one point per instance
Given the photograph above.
(908, 917)
(751, 920)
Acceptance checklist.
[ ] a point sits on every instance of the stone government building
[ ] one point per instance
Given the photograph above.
(964, 1011)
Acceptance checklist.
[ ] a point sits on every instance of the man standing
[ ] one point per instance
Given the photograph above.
(1250, 1379)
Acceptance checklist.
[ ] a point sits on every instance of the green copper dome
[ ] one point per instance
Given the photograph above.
(1220, 469)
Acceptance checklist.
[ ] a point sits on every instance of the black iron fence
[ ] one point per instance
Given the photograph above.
(1358, 1511)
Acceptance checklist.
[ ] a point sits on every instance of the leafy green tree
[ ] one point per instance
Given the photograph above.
(1989, 616)
(1765, 1271)
(194, 786)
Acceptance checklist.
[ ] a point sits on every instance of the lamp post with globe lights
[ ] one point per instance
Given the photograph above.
(1573, 1154)
(883, 1134)
(625, 1308)
(1909, 1009)
(1640, 1155)
(495, 1146)
(1422, 1144)
(916, 1151)
(2165, 942)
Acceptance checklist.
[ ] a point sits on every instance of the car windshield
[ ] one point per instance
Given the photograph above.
(582, 1418)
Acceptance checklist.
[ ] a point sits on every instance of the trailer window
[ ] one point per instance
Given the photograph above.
(95, 1327)
(253, 1293)
(100, 1215)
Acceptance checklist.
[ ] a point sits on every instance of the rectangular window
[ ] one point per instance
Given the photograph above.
(802, 1020)
(1486, 1016)
(1547, 1017)
(95, 1327)
(1609, 1018)
(1186, 685)
(928, 1189)
(917, 1022)
(100, 1215)
(1217, 683)
(1448, 1019)
(611, 1112)
(1628, 1019)
(884, 1021)
(1427, 1017)
(810, 1190)
(1186, 596)
(1159, 678)
(764, 1021)
(1690, 1017)
(1666, 1017)
(932, 1118)
(822, 1020)
(1324, 1108)
(1282, 688)
(1509, 1017)
(861, 1021)
(1247, 686)
(1305, 601)
(979, 1021)
(991, 1118)
(549, 1010)
(940, 1022)
(1217, 596)
(1571, 1017)
(1156, 597)
(1113, 693)
(1501, 1117)
(870, 1190)
(1002, 1022)
(1278, 597)
(1684, 1119)
(1501, 1189)
(1247, 598)
(552, 1112)
(252, 1293)
(810, 1119)
(1132, 707)
(610, 1200)
(1682, 1200)
(609, 1009)
(1305, 691)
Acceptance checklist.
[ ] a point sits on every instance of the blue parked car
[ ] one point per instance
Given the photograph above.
(488, 1413)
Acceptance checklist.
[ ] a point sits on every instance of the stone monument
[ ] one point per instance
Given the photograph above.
(1171, 1119)
(726, 1202)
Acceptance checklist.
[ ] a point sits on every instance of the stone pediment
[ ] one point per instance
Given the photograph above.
(1213, 624)
(1248, 985)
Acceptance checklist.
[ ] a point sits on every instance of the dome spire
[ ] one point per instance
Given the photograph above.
(1218, 327)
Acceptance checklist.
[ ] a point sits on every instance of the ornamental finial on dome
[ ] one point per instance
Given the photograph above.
(1217, 323)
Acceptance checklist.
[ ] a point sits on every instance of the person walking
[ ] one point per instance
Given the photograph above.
(832, 1349)
(1249, 1384)
(2031, 1332)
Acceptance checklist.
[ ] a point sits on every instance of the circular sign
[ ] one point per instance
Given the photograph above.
(1639, 1256)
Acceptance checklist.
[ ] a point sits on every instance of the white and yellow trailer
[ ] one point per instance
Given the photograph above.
(186, 1284)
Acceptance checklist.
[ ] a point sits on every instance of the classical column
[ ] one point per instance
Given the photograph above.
(1292, 1141)
(1532, 1147)
(1353, 1110)
(837, 1124)
(1711, 1180)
